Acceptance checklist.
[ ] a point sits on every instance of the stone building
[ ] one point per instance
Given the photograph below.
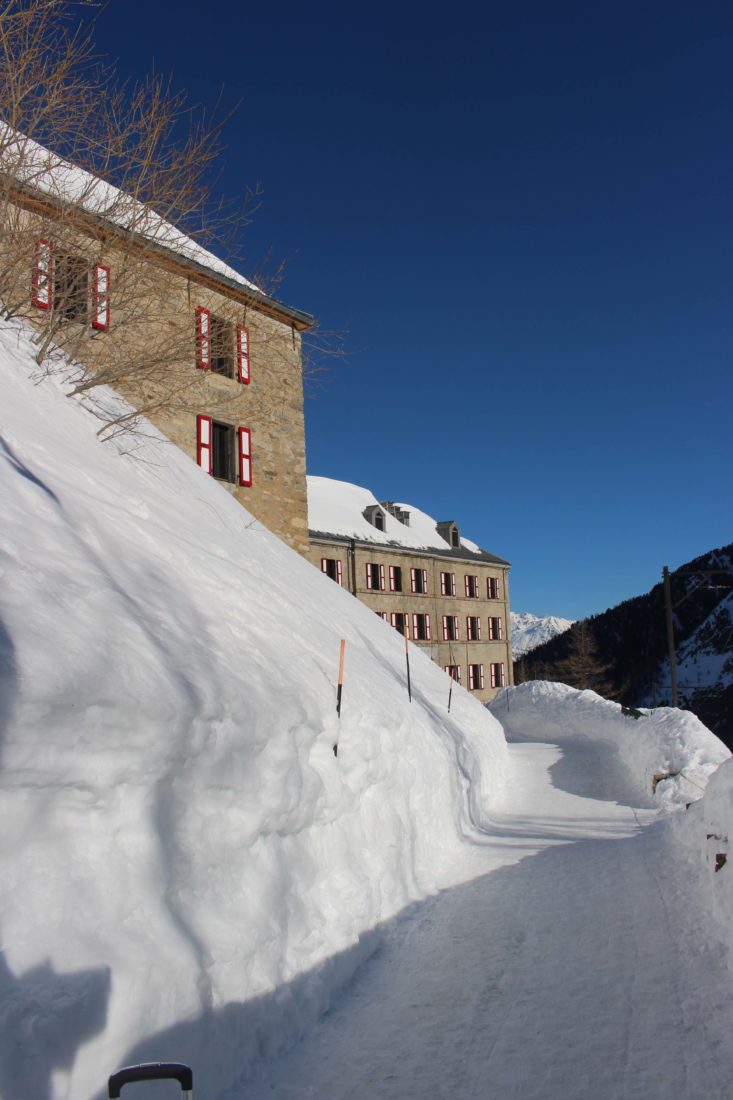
(450, 597)
(100, 270)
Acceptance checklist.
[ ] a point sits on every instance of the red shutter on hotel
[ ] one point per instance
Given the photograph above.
(414, 626)
(100, 297)
(442, 584)
(245, 456)
(203, 338)
(501, 628)
(481, 669)
(243, 354)
(453, 585)
(203, 442)
(391, 578)
(324, 565)
(42, 292)
(455, 627)
(445, 628)
(425, 581)
(413, 583)
(381, 577)
(369, 576)
(427, 628)
(339, 572)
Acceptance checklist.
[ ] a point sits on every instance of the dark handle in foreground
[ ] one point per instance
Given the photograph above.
(151, 1071)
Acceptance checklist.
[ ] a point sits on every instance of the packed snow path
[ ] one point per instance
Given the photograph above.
(575, 962)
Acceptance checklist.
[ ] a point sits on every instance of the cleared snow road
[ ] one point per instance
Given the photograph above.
(576, 962)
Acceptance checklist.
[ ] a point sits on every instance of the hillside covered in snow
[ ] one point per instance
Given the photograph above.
(530, 631)
(188, 871)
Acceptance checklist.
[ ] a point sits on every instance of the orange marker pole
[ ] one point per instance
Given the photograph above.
(340, 689)
(407, 661)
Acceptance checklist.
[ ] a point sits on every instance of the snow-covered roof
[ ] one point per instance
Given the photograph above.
(336, 508)
(37, 168)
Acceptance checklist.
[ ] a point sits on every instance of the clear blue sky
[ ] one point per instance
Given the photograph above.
(521, 214)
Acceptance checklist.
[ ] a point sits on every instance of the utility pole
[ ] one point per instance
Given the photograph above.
(670, 634)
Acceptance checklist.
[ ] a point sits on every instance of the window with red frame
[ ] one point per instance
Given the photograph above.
(475, 677)
(498, 678)
(450, 628)
(374, 577)
(473, 628)
(496, 629)
(332, 568)
(471, 586)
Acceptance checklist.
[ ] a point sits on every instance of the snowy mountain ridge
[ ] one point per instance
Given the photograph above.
(529, 631)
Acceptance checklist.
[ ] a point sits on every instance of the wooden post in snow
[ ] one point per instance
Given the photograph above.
(340, 690)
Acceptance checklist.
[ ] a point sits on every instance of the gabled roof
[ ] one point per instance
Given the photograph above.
(36, 171)
(336, 513)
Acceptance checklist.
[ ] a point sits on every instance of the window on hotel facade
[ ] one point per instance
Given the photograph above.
(401, 622)
(471, 585)
(498, 678)
(421, 628)
(473, 628)
(332, 568)
(374, 576)
(71, 287)
(475, 677)
(222, 346)
(496, 629)
(224, 451)
(493, 590)
(450, 628)
(395, 578)
(419, 581)
(447, 584)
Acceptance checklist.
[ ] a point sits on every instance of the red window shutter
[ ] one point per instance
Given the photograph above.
(455, 626)
(425, 581)
(243, 373)
(442, 583)
(445, 628)
(391, 578)
(369, 576)
(481, 671)
(471, 684)
(100, 297)
(478, 628)
(465, 579)
(339, 573)
(458, 673)
(498, 590)
(324, 565)
(453, 584)
(42, 283)
(413, 581)
(428, 635)
(414, 626)
(203, 442)
(393, 618)
(245, 456)
(501, 628)
(381, 578)
(203, 338)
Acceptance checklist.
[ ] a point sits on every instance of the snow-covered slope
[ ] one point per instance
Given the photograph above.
(187, 870)
(529, 631)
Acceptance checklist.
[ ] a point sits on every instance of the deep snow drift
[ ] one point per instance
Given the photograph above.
(183, 860)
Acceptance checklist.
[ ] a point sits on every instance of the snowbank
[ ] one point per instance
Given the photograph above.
(187, 870)
(665, 751)
(704, 833)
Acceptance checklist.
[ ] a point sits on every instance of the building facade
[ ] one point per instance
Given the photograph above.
(451, 599)
(214, 362)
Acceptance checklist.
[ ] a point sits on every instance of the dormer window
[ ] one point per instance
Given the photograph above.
(373, 514)
(448, 530)
(399, 514)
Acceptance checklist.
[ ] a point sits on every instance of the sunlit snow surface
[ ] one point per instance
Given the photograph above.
(189, 873)
(182, 858)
